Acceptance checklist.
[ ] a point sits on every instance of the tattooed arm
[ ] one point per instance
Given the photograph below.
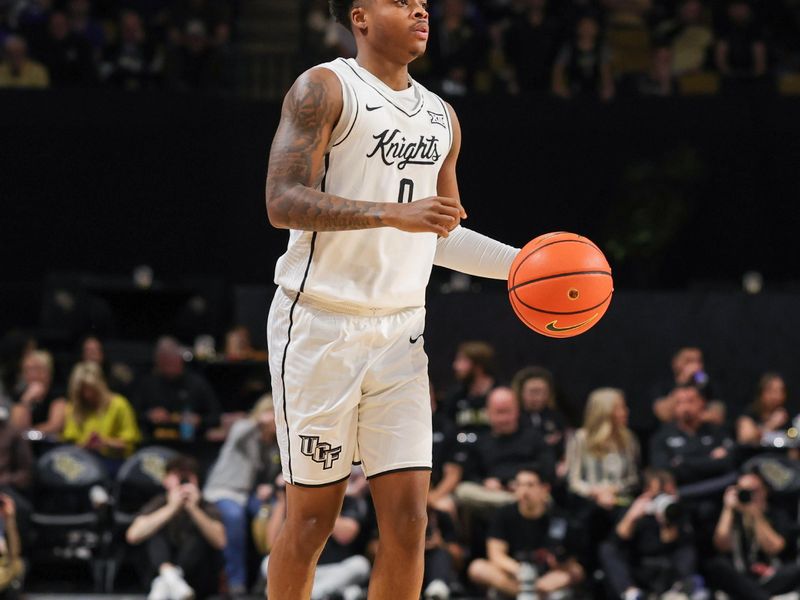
(310, 111)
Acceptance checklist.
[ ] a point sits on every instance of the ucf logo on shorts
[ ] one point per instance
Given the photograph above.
(320, 452)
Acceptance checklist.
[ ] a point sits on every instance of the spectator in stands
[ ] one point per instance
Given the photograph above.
(582, 67)
(214, 15)
(97, 418)
(12, 567)
(531, 45)
(38, 405)
(688, 36)
(659, 81)
(767, 414)
(242, 480)
(443, 555)
(652, 550)
(18, 70)
(473, 367)
(693, 450)
(687, 367)
(13, 347)
(192, 65)
(173, 402)
(119, 376)
(67, 55)
(134, 62)
(531, 531)
(446, 471)
(740, 51)
(85, 26)
(534, 388)
(238, 345)
(455, 48)
(494, 459)
(183, 535)
(342, 567)
(92, 350)
(16, 467)
(754, 537)
(603, 455)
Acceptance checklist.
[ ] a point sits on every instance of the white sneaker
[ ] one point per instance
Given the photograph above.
(787, 596)
(158, 590)
(353, 592)
(437, 590)
(178, 588)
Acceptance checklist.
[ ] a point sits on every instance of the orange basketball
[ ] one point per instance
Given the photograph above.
(560, 284)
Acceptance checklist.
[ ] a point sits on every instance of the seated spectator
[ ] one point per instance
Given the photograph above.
(443, 556)
(688, 367)
(530, 46)
(753, 536)
(38, 406)
(173, 402)
(238, 345)
(250, 455)
(582, 67)
(693, 450)
(603, 455)
(12, 567)
(446, 471)
(659, 80)
(97, 418)
(16, 468)
(456, 48)
(134, 62)
(119, 375)
(193, 64)
(497, 455)
(652, 550)
(18, 70)
(688, 36)
(342, 567)
(183, 534)
(534, 532)
(740, 51)
(767, 414)
(84, 25)
(534, 388)
(67, 55)
(473, 368)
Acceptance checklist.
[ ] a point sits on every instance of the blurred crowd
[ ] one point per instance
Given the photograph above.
(526, 500)
(596, 48)
(131, 45)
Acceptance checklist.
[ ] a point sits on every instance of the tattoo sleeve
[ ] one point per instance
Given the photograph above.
(297, 163)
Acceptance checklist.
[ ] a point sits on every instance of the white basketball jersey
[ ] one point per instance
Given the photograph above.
(388, 146)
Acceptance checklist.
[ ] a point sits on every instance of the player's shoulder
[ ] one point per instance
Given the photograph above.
(323, 76)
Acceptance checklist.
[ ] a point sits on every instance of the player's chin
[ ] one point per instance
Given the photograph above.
(417, 49)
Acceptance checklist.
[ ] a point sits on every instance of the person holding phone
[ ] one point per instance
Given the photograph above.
(184, 536)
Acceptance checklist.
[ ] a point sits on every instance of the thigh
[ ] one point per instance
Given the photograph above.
(399, 497)
(394, 419)
(317, 363)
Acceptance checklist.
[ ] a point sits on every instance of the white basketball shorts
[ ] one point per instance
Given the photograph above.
(348, 389)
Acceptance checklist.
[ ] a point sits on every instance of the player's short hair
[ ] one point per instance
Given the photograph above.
(340, 10)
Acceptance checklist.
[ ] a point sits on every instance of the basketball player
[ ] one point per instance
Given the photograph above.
(362, 171)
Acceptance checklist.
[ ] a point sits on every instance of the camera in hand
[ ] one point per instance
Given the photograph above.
(744, 496)
(667, 507)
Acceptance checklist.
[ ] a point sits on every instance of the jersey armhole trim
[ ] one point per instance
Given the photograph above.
(449, 123)
(345, 86)
(355, 116)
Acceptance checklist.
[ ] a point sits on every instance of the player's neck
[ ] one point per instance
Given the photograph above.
(391, 73)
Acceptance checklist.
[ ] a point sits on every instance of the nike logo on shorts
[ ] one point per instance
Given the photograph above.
(413, 340)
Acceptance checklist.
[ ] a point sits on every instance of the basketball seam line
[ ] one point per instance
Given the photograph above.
(553, 312)
(519, 285)
(588, 243)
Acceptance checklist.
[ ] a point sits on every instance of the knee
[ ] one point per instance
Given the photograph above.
(478, 571)
(310, 531)
(406, 525)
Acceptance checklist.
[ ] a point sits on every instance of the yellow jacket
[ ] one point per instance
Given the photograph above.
(33, 75)
(116, 421)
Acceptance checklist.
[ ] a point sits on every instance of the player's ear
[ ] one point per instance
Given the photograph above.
(358, 17)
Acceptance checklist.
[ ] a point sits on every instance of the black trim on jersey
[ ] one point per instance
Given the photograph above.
(283, 385)
(447, 116)
(389, 100)
(353, 124)
(318, 485)
(399, 470)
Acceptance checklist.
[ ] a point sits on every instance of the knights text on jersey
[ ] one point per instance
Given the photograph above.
(388, 146)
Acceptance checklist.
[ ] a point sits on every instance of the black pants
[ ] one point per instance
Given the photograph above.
(438, 565)
(199, 561)
(623, 571)
(722, 575)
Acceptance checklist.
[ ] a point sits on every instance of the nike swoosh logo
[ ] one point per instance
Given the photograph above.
(555, 328)
(414, 340)
(371, 108)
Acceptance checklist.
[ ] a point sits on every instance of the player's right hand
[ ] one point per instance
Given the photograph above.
(436, 214)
